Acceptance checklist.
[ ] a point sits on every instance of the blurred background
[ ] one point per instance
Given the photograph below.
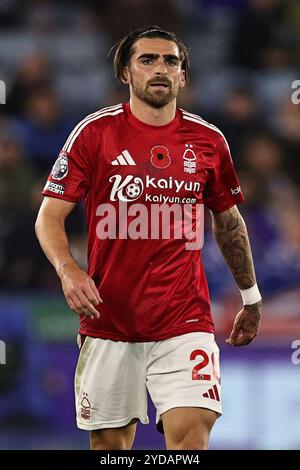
(53, 58)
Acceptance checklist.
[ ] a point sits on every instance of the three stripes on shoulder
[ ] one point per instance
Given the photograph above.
(117, 109)
(109, 111)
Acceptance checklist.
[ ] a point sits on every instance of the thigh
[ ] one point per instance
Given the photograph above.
(188, 428)
(110, 386)
(184, 372)
(115, 438)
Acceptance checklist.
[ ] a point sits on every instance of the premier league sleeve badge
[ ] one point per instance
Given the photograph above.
(60, 167)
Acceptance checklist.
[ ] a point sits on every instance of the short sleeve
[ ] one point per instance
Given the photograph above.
(70, 177)
(222, 190)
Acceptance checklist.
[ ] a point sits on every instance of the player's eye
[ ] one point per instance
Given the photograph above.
(172, 62)
(147, 61)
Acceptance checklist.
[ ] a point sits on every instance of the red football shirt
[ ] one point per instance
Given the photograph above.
(152, 288)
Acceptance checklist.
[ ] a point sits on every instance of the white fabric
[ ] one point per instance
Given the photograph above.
(112, 378)
(251, 296)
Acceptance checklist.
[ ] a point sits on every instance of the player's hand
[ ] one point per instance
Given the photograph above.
(80, 290)
(246, 325)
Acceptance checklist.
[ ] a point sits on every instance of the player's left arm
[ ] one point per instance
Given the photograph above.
(231, 235)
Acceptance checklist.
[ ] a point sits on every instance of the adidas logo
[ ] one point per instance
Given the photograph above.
(212, 393)
(124, 159)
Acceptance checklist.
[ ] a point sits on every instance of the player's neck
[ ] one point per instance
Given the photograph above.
(153, 116)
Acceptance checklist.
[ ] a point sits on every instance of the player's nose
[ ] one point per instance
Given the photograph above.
(159, 73)
(161, 68)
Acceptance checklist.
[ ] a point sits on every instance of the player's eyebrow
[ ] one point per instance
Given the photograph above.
(156, 56)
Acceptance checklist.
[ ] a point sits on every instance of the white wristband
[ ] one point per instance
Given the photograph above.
(251, 296)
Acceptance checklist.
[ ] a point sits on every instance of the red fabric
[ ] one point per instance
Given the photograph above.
(152, 289)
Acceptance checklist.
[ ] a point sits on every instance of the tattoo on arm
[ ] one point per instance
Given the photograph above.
(231, 235)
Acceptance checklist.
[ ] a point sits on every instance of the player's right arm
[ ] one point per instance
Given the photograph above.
(79, 289)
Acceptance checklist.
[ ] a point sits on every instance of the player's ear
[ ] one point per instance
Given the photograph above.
(126, 75)
(182, 81)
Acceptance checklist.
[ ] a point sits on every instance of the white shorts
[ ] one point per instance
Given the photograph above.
(112, 378)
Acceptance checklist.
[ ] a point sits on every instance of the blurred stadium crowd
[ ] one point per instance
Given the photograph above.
(245, 56)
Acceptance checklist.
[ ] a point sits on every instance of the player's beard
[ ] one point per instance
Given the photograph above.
(153, 97)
